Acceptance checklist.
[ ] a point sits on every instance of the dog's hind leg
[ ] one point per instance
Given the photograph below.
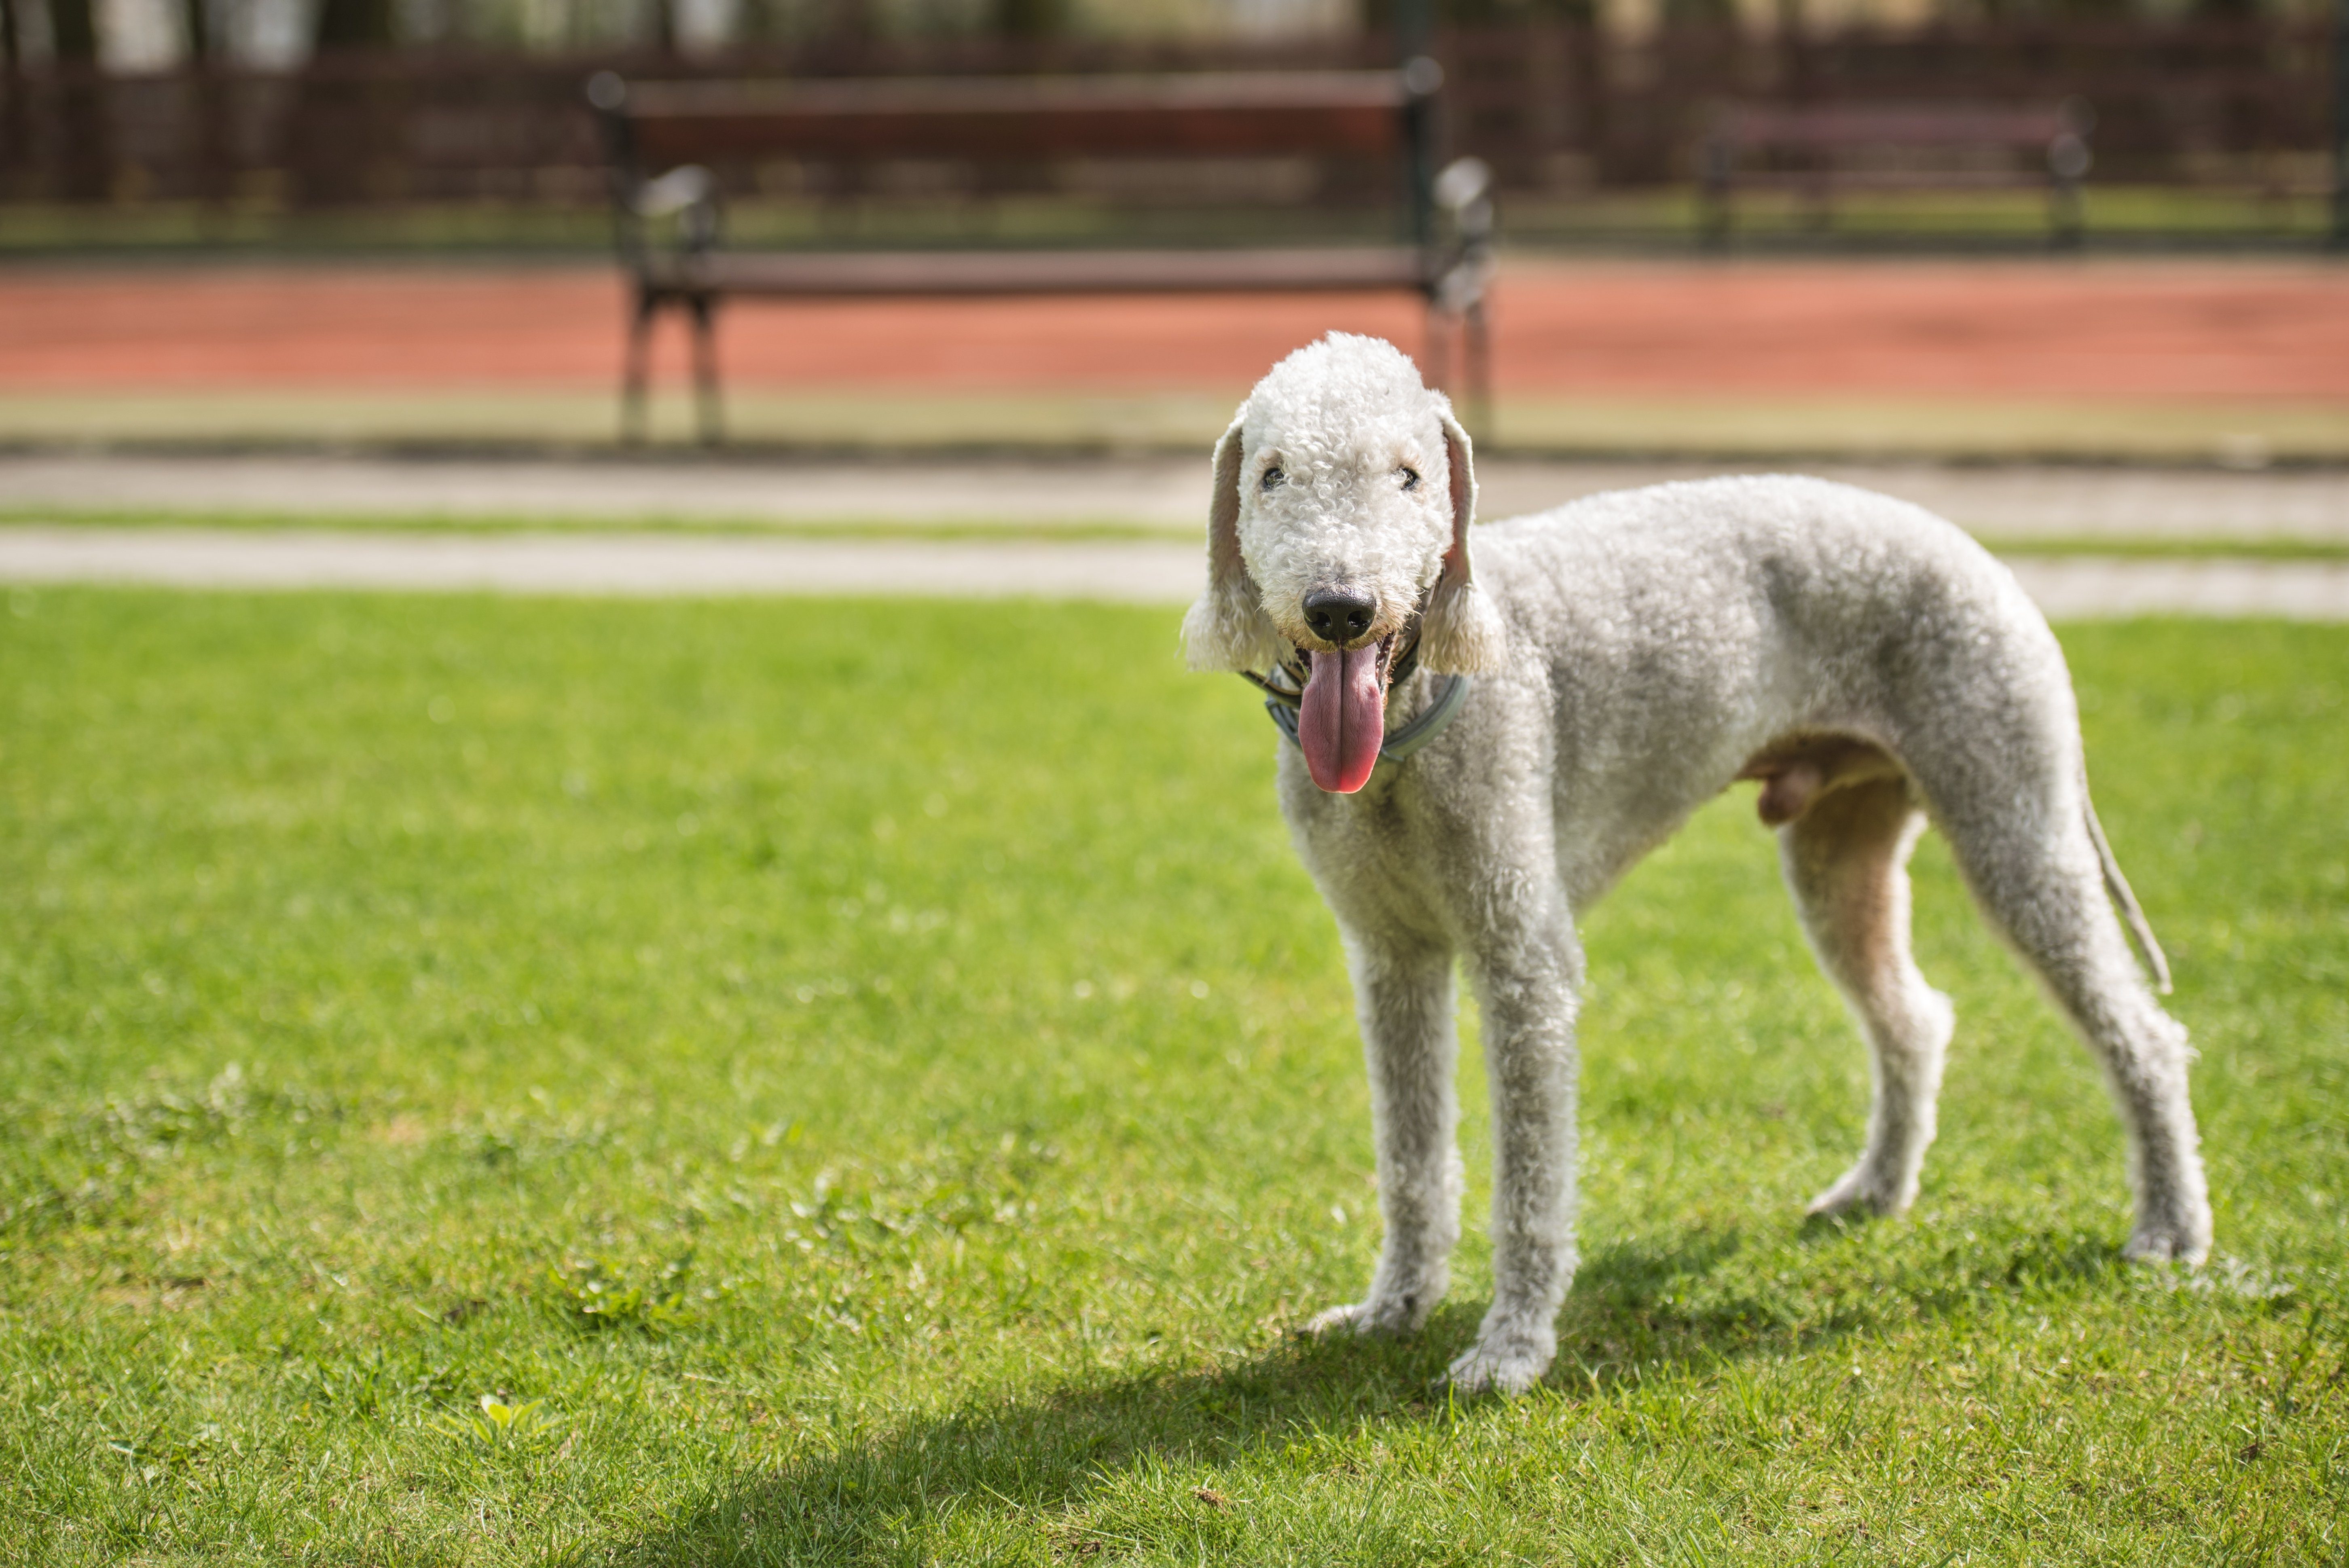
(1403, 992)
(2032, 863)
(1847, 863)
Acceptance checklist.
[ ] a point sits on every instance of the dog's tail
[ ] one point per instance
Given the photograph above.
(2132, 915)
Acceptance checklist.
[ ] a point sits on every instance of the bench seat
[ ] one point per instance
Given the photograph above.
(850, 274)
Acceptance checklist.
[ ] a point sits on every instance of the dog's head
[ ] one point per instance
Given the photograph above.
(1337, 533)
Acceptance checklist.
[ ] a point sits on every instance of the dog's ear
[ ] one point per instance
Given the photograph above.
(1462, 632)
(1227, 628)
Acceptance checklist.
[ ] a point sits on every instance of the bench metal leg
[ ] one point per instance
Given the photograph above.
(1716, 219)
(704, 370)
(1476, 370)
(1472, 392)
(637, 369)
(1436, 368)
(2063, 215)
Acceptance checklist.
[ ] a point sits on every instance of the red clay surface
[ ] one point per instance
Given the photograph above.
(2167, 330)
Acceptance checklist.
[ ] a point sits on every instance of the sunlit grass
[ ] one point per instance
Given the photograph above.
(861, 1082)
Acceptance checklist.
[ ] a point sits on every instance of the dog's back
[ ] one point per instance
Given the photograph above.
(1683, 629)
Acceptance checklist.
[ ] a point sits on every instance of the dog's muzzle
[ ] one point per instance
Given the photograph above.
(1398, 655)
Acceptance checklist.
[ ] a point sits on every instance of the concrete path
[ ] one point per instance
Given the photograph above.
(1147, 572)
(2081, 588)
(1144, 572)
(1029, 500)
(1144, 492)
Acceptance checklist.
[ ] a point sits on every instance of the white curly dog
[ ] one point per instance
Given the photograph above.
(1631, 654)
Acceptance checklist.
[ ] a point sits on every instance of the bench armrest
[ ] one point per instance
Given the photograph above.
(1464, 192)
(688, 194)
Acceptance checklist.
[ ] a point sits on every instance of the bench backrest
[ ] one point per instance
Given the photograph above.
(1233, 113)
(1356, 114)
(1828, 127)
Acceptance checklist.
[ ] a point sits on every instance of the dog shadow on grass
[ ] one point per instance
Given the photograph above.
(1687, 1300)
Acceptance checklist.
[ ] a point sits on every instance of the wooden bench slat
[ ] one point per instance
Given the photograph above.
(1229, 113)
(1022, 95)
(1895, 179)
(816, 274)
(1860, 125)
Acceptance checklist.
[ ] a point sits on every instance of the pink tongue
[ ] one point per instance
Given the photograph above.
(1343, 719)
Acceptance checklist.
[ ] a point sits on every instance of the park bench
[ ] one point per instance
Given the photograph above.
(672, 245)
(1819, 149)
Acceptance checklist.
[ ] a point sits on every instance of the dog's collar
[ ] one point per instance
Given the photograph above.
(1282, 701)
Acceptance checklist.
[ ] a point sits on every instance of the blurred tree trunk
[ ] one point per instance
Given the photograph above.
(12, 149)
(211, 181)
(73, 31)
(343, 138)
(73, 36)
(1700, 13)
(352, 24)
(1792, 82)
(660, 23)
(1027, 18)
(757, 21)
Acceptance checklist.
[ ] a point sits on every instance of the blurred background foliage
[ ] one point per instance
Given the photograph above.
(202, 122)
(147, 35)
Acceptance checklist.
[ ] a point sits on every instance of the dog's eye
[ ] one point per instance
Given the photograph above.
(1274, 479)
(1410, 478)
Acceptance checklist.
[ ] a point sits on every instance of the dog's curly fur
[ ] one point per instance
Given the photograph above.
(1637, 653)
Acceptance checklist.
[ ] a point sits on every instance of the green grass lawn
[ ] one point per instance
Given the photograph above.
(869, 1083)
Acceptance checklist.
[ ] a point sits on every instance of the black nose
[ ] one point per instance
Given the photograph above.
(1337, 615)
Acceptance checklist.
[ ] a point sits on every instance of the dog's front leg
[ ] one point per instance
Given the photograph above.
(1402, 989)
(1528, 974)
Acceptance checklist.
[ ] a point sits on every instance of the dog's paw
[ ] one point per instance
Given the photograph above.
(1859, 1190)
(1372, 1319)
(1509, 1365)
(2184, 1241)
(1350, 1318)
